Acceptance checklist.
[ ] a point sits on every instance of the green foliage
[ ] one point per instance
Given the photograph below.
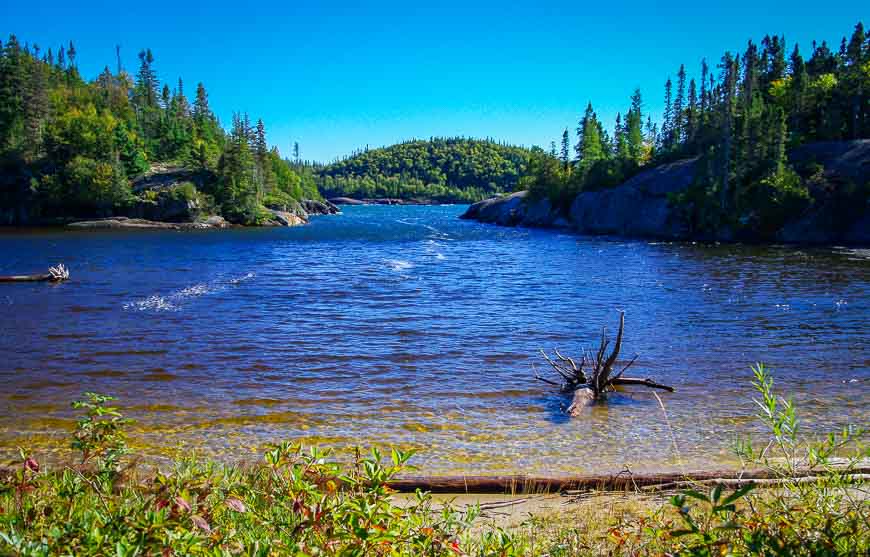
(825, 515)
(99, 434)
(740, 126)
(298, 502)
(81, 142)
(441, 169)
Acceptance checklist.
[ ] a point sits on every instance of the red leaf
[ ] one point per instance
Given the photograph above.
(31, 464)
(182, 504)
(235, 504)
(201, 523)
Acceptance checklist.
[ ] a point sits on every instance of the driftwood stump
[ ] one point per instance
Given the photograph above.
(54, 274)
(593, 377)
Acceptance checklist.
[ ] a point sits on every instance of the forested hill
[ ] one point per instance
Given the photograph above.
(439, 169)
(72, 147)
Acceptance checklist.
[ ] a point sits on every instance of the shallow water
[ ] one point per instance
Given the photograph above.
(407, 326)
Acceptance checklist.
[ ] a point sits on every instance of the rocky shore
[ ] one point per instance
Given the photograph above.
(295, 215)
(643, 206)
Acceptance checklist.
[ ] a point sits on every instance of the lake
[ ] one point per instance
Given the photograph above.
(405, 326)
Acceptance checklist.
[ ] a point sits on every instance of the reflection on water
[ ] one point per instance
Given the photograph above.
(407, 326)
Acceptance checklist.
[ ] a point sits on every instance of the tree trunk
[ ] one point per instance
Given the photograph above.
(583, 397)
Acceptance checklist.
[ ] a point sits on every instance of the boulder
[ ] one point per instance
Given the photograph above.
(509, 210)
(314, 207)
(285, 218)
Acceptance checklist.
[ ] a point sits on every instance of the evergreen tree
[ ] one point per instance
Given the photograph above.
(589, 147)
(634, 131)
(679, 105)
(146, 80)
(566, 150)
(668, 120)
(201, 110)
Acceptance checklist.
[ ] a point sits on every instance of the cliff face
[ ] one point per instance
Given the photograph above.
(640, 207)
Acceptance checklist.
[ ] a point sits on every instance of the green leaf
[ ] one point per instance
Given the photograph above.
(741, 492)
(696, 495)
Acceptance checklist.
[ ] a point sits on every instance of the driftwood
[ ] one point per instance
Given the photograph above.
(624, 481)
(590, 379)
(54, 274)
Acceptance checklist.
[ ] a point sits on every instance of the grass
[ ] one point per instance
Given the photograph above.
(302, 502)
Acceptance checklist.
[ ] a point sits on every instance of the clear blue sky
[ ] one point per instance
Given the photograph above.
(336, 76)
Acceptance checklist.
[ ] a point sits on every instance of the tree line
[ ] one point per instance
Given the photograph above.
(71, 147)
(739, 118)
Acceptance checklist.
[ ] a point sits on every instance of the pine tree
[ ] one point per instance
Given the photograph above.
(182, 106)
(634, 131)
(296, 152)
(566, 150)
(729, 83)
(36, 106)
(166, 97)
(857, 82)
(705, 69)
(668, 120)
(146, 80)
(589, 147)
(679, 105)
(201, 110)
(692, 113)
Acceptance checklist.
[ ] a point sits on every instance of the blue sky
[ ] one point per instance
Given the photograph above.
(337, 76)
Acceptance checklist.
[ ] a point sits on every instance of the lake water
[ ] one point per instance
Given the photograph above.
(407, 326)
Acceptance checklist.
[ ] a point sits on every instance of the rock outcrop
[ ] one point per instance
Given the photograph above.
(639, 207)
(285, 218)
(134, 223)
(314, 207)
(379, 201)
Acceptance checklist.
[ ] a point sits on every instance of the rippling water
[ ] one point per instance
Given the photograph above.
(406, 326)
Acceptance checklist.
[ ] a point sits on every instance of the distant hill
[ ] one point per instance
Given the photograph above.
(439, 169)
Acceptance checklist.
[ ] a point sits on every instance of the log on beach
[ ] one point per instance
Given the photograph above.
(624, 481)
(54, 274)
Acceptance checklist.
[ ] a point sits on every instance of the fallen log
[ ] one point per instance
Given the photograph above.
(54, 274)
(624, 481)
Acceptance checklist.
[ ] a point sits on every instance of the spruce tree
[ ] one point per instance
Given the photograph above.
(590, 147)
(634, 131)
(566, 150)
(668, 119)
(679, 105)
(146, 80)
(201, 110)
